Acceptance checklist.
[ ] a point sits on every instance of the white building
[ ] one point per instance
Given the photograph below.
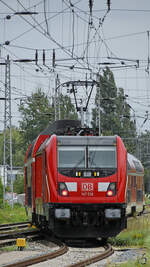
(15, 171)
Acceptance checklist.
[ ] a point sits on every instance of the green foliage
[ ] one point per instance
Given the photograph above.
(37, 113)
(137, 234)
(19, 184)
(115, 112)
(18, 152)
(135, 238)
(67, 109)
(9, 248)
(9, 215)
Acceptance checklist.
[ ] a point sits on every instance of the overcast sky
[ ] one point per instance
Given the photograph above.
(122, 33)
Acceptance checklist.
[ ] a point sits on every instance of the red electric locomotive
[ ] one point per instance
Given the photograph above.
(76, 185)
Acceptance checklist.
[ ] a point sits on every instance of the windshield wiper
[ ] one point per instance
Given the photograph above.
(79, 162)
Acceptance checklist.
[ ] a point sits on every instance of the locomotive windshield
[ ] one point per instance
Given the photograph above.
(86, 159)
(102, 157)
(71, 157)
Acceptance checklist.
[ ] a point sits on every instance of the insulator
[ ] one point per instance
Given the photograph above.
(90, 4)
(53, 62)
(36, 57)
(7, 42)
(108, 4)
(43, 57)
(8, 17)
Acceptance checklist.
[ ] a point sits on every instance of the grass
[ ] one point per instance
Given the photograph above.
(9, 215)
(136, 235)
(9, 248)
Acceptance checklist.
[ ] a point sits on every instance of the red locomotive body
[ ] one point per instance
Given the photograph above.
(77, 185)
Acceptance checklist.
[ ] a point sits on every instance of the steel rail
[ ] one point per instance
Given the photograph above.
(13, 224)
(12, 241)
(44, 257)
(16, 234)
(108, 252)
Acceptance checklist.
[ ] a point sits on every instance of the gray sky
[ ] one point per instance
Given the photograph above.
(122, 33)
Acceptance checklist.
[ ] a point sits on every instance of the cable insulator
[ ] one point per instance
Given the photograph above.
(43, 57)
(36, 57)
(108, 4)
(7, 42)
(53, 61)
(91, 5)
(8, 17)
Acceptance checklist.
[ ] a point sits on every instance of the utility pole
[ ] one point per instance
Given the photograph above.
(7, 155)
(99, 111)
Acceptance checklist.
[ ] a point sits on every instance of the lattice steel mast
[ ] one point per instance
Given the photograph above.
(7, 156)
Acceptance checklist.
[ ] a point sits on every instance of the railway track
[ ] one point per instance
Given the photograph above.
(13, 226)
(10, 239)
(10, 232)
(44, 257)
(63, 249)
(102, 255)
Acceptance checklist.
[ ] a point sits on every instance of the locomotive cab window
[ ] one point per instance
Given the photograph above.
(82, 161)
(71, 157)
(102, 157)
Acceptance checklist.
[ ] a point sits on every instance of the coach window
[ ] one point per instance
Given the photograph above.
(129, 181)
(71, 157)
(133, 181)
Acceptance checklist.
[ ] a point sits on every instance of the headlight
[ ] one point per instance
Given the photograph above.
(63, 190)
(111, 190)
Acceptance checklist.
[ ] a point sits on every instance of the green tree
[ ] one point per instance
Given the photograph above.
(19, 184)
(36, 113)
(17, 147)
(115, 112)
(67, 109)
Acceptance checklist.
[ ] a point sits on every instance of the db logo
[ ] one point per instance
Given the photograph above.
(87, 187)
